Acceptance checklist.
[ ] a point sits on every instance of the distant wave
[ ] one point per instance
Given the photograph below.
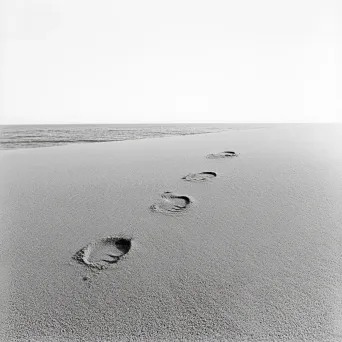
(31, 136)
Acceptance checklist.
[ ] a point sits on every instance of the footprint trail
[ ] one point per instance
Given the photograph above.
(103, 253)
(171, 204)
(200, 177)
(224, 154)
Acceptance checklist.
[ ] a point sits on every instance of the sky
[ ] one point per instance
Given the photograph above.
(134, 61)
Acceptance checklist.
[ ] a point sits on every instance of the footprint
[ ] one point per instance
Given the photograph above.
(199, 177)
(101, 254)
(224, 154)
(171, 204)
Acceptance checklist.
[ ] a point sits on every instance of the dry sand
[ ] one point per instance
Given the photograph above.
(254, 255)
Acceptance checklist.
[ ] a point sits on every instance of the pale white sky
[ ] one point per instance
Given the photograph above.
(114, 61)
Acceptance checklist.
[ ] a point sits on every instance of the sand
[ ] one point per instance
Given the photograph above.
(250, 254)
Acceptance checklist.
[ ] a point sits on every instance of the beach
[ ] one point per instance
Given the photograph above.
(253, 253)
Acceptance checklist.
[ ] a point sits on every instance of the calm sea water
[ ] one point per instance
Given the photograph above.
(32, 136)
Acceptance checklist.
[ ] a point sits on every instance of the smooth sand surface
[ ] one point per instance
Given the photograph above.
(255, 256)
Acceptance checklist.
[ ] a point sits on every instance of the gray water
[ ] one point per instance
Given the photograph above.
(32, 136)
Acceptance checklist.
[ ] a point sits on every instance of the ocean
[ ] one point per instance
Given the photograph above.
(33, 136)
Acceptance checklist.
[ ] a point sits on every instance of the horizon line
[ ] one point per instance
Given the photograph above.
(173, 123)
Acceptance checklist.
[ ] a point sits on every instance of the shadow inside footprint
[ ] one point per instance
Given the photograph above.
(102, 253)
(123, 245)
(224, 154)
(199, 177)
(171, 203)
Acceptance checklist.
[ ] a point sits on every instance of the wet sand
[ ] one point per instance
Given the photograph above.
(194, 248)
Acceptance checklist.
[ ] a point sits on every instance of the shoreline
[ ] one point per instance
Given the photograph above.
(91, 139)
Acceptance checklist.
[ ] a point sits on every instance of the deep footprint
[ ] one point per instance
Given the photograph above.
(103, 253)
(200, 177)
(224, 154)
(171, 204)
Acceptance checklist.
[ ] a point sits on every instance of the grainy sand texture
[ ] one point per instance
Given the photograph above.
(175, 239)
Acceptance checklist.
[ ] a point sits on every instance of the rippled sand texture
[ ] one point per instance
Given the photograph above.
(253, 255)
